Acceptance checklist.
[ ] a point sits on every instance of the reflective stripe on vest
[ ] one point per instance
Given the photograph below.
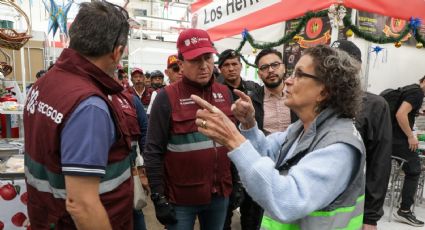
(46, 181)
(347, 218)
(190, 142)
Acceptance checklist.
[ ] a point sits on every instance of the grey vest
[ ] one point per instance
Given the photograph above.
(328, 129)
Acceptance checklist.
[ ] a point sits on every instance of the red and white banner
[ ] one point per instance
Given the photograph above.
(401, 9)
(226, 18)
(230, 17)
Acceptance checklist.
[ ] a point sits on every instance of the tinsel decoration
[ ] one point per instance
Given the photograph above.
(414, 23)
(293, 36)
(336, 13)
(349, 33)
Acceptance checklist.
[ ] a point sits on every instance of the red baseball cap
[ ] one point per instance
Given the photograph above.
(172, 59)
(134, 70)
(194, 42)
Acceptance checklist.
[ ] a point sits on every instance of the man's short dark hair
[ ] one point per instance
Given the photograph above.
(98, 28)
(227, 54)
(422, 79)
(265, 52)
(40, 73)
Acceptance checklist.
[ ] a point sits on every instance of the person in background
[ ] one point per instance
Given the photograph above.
(373, 123)
(404, 145)
(230, 66)
(148, 79)
(142, 120)
(189, 174)
(139, 88)
(79, 130)
(303, 176)
(271, 112)
(123, 77)
(157, 79)
(38, 75)
(173, 72)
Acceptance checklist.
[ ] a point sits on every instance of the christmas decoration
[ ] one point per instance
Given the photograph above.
(397, 44)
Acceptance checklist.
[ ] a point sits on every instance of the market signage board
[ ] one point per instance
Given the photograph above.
(379, 25)
(230, 17)
(226, 18)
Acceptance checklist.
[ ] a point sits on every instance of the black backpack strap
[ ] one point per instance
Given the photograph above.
(293, 161)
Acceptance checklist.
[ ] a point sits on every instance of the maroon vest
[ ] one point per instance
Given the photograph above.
(192, 175)
(49, 105)
(146, 95)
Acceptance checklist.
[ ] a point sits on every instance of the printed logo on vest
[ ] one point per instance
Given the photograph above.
(42, 107)
(218, 97)
(186, 101)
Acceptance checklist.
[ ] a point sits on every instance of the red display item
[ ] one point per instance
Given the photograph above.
(8, 192)
(19, 219)
(24, 198)
(1, 225)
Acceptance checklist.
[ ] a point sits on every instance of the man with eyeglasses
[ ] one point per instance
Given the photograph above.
(79, 131)
(271, 113)
(189, 174)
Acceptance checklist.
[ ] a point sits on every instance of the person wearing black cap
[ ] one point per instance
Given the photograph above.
(157, 79)
(230, 66)
(373, 123)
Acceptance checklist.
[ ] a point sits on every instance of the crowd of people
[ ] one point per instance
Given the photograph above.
(290, 153)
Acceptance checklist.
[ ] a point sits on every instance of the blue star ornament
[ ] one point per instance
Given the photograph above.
(57, 16)
(62, 17)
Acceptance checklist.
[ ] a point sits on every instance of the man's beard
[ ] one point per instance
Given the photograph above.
(273, 85)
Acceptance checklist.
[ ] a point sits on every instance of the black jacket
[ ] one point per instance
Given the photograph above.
(374, 125)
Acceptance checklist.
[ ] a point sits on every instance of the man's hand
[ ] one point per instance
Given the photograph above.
(214, 124)
(243, 110)
(413, 143)
(164, 211)
(83, 203)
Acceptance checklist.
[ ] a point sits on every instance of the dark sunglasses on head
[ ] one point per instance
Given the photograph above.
(126, 16)
(175, 68)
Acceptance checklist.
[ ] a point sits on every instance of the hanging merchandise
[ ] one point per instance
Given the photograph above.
(379, 51)
(5, 67)
(9, 38)
(58, 16)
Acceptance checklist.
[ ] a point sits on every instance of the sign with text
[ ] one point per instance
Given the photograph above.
(230, 17)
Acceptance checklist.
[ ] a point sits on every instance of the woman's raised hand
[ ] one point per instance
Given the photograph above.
(243, 110)
(214, 124)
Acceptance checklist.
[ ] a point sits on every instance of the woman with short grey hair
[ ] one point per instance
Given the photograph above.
(310, 176)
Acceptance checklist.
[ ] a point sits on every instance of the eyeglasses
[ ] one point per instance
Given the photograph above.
(266, 67)
(125, 14)
(175, 68)
(297, 74)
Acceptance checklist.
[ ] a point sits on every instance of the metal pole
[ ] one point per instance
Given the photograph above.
(24, 88)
